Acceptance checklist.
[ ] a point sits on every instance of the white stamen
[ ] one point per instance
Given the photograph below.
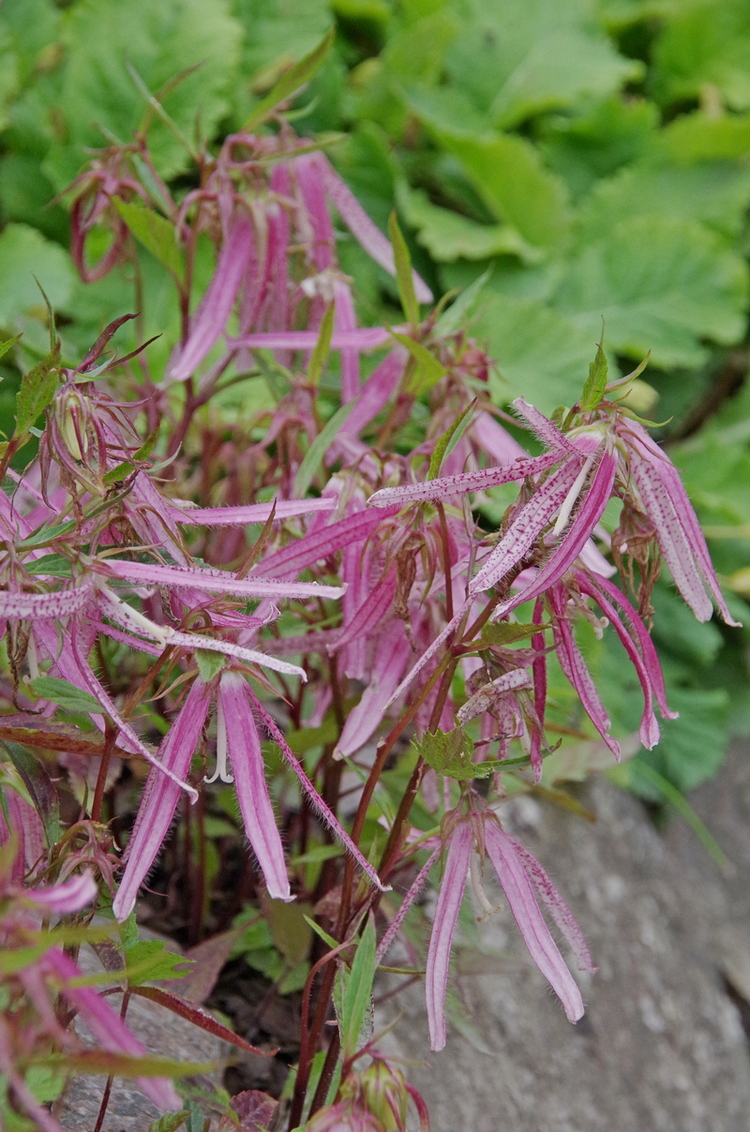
(475, 874)
(222, 771)
(572, 495)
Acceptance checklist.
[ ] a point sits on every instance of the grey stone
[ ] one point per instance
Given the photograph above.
(162, 1032)
(662, 1046)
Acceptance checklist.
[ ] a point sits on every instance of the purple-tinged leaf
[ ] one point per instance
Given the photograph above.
(197, 1017)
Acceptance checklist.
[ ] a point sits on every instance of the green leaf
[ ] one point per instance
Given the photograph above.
(123, 1064)
(704, 137)
(320, 932)
(501, 633)
(24, 255)
(8, 344)
(289, 929)
(65, 694)
(459, 312)
(449, 236)
(541, 354)
(53, 565)
(290, 82)
(45, 535)
(428, 370)
(356, 1003)
(705, 43)
(41, 788)
(447, 753)
(148, 961)
(596, 382)
(659, 285)
(170, 1122)
(692, 748)
(447, 441)
(507, 172)
(322, 347)
(158, 41)
(318, 448)
(38, 387)
(156, 234)
(404, 278)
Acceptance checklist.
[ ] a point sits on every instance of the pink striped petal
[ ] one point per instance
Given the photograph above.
(160, 796)
(251, 513)
(69, 896)
(444, 925)
(344, 320)
(361, 338)
(320, 544)
(243, 745)
(362, 228)
(575, 670)
(59, 603)
(544, 428)
(539, 672)
(376, 392)
(371, 613)
(108, 1028)
(210, 319)
(518, 890)
(215, 581)
(363, 720)
(446, 486)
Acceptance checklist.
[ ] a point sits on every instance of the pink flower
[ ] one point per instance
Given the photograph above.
(523, 881)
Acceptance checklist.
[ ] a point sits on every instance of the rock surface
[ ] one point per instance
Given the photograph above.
(662, 1047)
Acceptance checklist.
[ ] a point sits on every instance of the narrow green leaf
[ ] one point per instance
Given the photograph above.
(120, 472)
(65, 694)
(125, 1065)
(448, 440)
(54, 565)
(358, 993)
(297, 75)
(506, 632)
(8, 344)
(317, 854)
(45, 535)
(156, 234)
(40, 787)
(458, 312)
(320, 932)
(404, 278)
(428, 369)
(170, 1122)
(318, 448)
(322, 347)
(596, 382)
(37, 390)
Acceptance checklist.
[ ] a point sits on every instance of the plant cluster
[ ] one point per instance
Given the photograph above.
(279, 578)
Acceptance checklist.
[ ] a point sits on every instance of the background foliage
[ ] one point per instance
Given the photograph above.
(591, 158)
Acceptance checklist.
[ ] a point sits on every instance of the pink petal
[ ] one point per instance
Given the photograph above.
(446, 486)
(410, 896)
(209, 321)
(539, 672)
(111, 1032)
(69, 896)
(345, 320)
(370, 614)
(59, 603)
(517, 887)
(574, 667)
(544, 428)
(362, 338)
(215, 581)
(361, 227)
(376, 392)
(246, 757)
(444, 925)
(251, 513)
(160, 796)
(362, 722)
(320, 544)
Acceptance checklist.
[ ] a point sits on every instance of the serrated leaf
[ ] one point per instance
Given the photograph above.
(170, 1122)
(659, 285)
(404, 278)
(65, 694)
(319, 356)
(357, 997)
(210, 664)
(452, 434)
(156, 234)
(318, 448)
(596, 382)
(148, 961)
(428, 369)
(448, 235)
(290, 82)
(448, 753)
(37, 389)
(507, 632)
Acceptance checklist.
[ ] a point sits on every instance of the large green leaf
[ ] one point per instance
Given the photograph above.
(521, 57)
(706, 43)
(660, 285)
(24, 254)
(278, 33)
(159, 41)
(541, 354)
(509, 175)
(692, 748)
(716, 193)
(449, 236)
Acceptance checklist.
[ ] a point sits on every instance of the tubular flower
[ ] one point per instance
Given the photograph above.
(524, 882)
